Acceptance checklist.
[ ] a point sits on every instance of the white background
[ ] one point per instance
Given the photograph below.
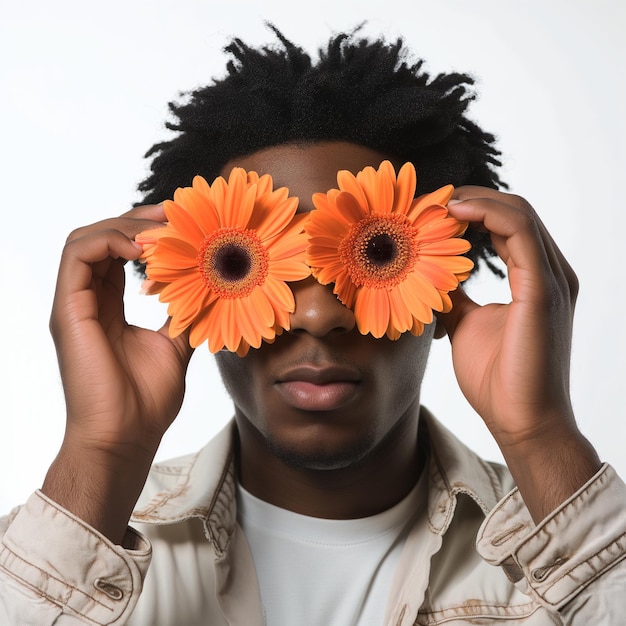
(83, 93)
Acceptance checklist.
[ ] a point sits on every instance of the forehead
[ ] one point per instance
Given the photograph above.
(307, 168)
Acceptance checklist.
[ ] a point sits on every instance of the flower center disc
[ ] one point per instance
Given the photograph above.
(233, 262)
(379, 251)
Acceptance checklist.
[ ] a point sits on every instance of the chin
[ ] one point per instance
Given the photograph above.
(318, 458)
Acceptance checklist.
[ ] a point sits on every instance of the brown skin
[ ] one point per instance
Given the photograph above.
(512, 361)
(358, 457)
(119, 398)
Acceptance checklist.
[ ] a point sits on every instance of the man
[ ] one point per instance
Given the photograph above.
(333, 497)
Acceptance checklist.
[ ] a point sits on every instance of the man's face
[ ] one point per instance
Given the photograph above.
(322, 396)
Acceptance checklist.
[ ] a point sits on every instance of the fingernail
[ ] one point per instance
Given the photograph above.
(145, 287)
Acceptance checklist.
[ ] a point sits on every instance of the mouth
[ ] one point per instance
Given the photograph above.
(312, 388)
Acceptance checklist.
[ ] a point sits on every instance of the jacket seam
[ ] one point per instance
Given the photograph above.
(477, 611)
(57, 601)
(163, 497)
(569, 573)
(219, 549)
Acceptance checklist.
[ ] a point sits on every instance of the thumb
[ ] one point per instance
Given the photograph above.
(180, 342)
(462, 304)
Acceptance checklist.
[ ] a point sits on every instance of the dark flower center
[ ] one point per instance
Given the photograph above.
(381, 249)
(232, 262)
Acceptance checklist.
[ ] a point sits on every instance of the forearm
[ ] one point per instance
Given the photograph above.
(99, 487)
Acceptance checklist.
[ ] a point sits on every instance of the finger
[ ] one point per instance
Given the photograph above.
(517, 203)
(130, 223)
(154, 212)
(559, 265)
(87, 267)
(80, 255)
(515, 235)
(474, 192)
(467, 192)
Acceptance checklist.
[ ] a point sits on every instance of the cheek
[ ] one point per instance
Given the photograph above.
(238, 377)
(404, 364)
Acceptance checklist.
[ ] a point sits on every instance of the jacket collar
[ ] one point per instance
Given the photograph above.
(456, 469)
(203, 485)
(200, 485)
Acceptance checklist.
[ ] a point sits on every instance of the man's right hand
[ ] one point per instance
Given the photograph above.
(123, 385)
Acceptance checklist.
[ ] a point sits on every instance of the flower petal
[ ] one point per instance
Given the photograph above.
(289, 270)
(239, 200)
(413, 297)
(269, 219)
(405, 189)
(455, 264)
(348, 182)
(439, 196)
(206, 326)
(263, 307)
(371, 310)
(246, 326)
(186, 225)
(438, 276)
(281, 299)
(331, 272)
(384, 188)
(447, 247)
(345, 289)
(400, 317)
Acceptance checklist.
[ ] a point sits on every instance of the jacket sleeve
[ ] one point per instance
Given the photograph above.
(55, 569)
(574, 561)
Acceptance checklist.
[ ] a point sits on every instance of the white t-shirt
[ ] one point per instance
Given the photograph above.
(319, 572)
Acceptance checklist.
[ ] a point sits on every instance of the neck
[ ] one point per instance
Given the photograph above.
(380, 479)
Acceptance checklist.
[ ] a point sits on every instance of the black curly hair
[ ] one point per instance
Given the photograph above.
(358, 90)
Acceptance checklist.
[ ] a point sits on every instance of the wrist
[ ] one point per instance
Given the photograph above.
(550, 467)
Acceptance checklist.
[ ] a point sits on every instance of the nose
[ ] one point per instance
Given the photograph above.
(318, 310)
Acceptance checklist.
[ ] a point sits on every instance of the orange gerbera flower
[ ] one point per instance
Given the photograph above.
(393, 258)
(223, 259)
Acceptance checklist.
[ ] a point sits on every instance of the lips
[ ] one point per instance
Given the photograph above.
(314, 388)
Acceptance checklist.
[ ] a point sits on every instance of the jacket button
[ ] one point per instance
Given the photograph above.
(114, 592)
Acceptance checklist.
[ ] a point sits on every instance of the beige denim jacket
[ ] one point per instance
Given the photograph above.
(479, 559)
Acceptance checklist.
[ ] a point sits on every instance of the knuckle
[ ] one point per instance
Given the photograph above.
(138, 209)
(83, 231)
(574, 287)
(524, 211)
(69, 247)
(75, 234)
(527, 218)
(53, 325)
(519, 202)
(562, 294)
